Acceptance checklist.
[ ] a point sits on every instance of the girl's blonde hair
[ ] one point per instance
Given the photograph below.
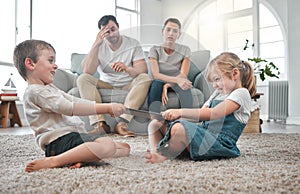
(226, 62)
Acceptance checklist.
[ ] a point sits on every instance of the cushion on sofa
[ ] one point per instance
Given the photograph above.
(199, 60)
(76, 60)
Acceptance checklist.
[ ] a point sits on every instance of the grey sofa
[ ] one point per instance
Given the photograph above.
(65, 79)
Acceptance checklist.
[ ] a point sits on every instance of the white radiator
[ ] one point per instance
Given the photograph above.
(278, 100)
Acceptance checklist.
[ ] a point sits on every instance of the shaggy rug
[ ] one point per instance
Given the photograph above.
(270, 163)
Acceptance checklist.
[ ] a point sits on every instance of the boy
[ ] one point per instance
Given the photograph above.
(51, 113)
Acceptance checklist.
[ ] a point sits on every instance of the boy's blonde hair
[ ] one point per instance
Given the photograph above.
(29, 49)
(226, 62)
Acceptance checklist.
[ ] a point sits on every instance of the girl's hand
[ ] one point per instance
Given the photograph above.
(164, 95)
(116, 109)
(184, 83)
(171, 114)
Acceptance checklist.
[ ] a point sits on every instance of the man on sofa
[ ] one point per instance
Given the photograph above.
(121, 64)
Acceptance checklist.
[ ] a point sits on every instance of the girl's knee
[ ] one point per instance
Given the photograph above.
(177, 129)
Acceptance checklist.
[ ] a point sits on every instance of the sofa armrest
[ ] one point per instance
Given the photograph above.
(201, 84)
(64, 79)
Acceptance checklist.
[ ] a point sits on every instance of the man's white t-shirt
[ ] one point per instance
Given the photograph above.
(129, 51)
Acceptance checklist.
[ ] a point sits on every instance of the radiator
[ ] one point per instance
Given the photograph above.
(278, 100)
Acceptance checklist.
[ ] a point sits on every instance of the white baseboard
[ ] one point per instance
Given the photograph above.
(293, 120)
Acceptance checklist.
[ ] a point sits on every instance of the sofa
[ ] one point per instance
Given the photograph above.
(65, 79)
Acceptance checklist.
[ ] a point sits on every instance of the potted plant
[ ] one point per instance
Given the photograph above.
(262, 67)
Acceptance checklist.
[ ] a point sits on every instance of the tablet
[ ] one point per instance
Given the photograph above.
(145, 114)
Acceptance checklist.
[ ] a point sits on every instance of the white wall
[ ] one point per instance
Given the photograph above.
(293, 55)
(287, 12)
(151, 20)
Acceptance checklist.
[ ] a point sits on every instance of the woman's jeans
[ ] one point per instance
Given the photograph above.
(155, 92)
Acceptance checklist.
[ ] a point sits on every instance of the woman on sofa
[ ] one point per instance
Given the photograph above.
(170, 63)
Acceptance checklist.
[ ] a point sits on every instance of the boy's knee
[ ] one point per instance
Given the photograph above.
(108, 145)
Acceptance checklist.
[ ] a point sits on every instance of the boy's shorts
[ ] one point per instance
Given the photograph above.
(67, 142)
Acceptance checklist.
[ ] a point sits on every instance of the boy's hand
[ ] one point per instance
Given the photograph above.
(117, 109)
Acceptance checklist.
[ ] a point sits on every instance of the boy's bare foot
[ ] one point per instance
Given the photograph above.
(39, 164)
(154, 157)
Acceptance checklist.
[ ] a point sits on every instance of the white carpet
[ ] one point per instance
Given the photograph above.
(270, 163)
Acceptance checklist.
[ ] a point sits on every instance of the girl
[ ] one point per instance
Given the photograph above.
(225, 115)
(51, 114)
(170, 65)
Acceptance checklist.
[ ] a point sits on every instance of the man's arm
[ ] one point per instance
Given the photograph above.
(137, 68)
(91, 62)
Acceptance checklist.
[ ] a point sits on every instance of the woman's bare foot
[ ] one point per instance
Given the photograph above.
(154, 157)
(39, 164)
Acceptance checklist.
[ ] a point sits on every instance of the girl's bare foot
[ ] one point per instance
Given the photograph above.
(154, 157)
(40, 164)
(77, 165)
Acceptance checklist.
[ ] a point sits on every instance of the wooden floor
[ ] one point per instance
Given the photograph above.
(267, 127)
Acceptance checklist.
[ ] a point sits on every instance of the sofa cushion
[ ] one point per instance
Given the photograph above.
(199, 60)
(76, 60)
(64, 79)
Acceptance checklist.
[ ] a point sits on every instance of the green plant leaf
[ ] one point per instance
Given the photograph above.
(246, 45)
(269, 69)
(262, 76)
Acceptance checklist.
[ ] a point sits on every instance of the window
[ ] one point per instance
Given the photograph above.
(7, 23)
(70, 26)
(271, 40)
(127, 13)
(224, 25)
(15, 27)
